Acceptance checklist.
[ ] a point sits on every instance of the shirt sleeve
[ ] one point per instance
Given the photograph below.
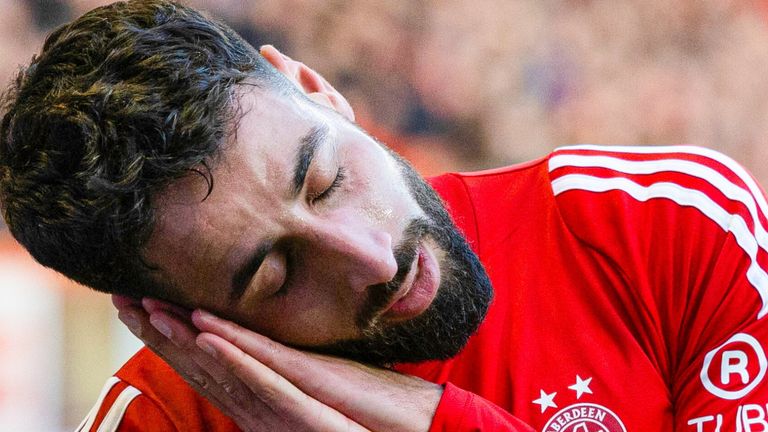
(144, 415)
(719, 383)
(123, 408)
(463, 411)
(687, 227)
(147, 395)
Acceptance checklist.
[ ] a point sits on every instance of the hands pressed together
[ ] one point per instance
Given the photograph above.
(266, 386)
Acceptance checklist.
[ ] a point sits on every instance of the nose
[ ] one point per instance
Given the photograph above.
(361, 255)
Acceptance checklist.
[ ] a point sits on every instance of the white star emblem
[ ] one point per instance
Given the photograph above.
(547, 400)
(581, 386)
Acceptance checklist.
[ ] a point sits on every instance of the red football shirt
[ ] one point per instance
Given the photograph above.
(630, 294)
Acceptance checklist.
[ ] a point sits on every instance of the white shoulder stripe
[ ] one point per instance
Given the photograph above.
(115, 414)
(699, 151)
(729, 222)
(87, 422)
(694, 169)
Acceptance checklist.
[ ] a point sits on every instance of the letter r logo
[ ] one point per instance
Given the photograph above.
(735, 368)
(734, 362)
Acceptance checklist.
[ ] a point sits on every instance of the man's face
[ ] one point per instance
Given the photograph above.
(320, 238)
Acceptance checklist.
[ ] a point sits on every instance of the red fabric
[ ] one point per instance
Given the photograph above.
(630, 293)
(144, 414)
(460, 410)
(109, 399)
(166, 403)
(626, 299)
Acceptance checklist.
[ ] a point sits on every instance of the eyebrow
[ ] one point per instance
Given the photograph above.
(307, 149)
(309, 144)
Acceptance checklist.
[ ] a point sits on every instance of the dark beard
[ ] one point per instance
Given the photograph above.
(460, 304)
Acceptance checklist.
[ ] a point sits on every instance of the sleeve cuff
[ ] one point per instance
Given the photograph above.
(463, 411)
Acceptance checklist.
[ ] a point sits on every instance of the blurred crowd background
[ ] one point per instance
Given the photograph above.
(451, 85)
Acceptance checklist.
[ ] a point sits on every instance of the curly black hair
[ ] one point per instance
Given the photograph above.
(117, 105)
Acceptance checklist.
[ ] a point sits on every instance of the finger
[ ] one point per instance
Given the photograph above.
(285, 399)
(200, 367)
(138, 322)
(308, 372)
(120, 301)
(152, 305)
(350, 387)
(261, 347)
(235, 397)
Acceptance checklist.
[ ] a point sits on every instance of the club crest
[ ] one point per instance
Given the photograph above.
(584, 417)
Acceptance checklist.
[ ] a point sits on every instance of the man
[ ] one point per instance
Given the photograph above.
(149, 152)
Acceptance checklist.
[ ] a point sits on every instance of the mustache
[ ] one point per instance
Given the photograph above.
(405, 252)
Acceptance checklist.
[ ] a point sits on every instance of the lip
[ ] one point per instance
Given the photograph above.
(418, 289)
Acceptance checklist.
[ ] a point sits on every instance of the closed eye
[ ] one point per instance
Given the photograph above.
(290, 261)
(334, 186)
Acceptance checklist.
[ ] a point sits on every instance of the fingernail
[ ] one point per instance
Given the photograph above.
(205, 346)
(160, 325)
(205, 316)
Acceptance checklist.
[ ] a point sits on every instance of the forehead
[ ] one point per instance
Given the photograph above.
(198, 236)
(269, 127)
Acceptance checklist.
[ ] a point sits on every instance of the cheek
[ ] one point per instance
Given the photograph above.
(380, 193)
(304, 319)
(181, 267)
(389, 204)
(378, 212)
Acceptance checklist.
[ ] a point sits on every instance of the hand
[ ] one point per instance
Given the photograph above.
(310, 82)
(264, 385)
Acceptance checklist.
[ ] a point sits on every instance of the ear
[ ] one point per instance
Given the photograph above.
(312, 83)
